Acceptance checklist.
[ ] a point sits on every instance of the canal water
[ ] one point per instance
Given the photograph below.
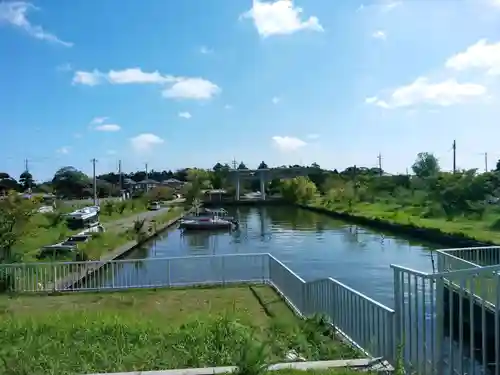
(313, 245)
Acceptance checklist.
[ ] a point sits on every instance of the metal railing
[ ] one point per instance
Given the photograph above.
(365, 322)
(481, 256)
(444, 322)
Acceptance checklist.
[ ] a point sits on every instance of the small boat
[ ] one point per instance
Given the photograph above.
(204, 213)
(207, 223)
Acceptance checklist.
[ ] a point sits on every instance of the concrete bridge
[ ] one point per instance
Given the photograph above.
(264, 175)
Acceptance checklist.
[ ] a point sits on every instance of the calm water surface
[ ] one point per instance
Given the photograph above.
(311, 244)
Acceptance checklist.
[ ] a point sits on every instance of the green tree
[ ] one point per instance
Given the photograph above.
(71, 182)
(26, 180)
(426, 165)
(15, 216)
(299, 190)
(262, 165)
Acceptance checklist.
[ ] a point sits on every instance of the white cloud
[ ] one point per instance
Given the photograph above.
(108, 128)
(63, 150)
(275, 100)
(205, 50)
(421, 91)
(379, 34)
(478, 56)
(181, 87)
(15, 13)
(313, 136)
(185, 115)
(88, 78)
(279, 17)
(145, 142)
(192, 88)
(136, 75)
(98, 120)
(287, 143)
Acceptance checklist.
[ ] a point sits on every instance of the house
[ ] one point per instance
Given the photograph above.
(147, 184)
(129, 184)
(173, 183)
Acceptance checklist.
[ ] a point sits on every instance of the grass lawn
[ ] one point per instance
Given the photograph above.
(154, 329)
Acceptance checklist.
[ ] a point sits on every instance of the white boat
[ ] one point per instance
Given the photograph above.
(205, 212)
(201, 223)
(85, 218)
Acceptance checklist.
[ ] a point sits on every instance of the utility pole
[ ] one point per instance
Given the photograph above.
(486, 162)
(379, 157)
(94, 180)
(120, 178)
(235, 163)
(454, 147)
(146, 167)
(27, 170)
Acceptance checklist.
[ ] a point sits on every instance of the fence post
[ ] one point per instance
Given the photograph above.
(397, 316)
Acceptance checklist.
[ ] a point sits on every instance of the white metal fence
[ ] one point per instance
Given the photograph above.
(444, 322)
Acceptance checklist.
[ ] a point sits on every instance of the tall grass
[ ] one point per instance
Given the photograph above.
(92, 342)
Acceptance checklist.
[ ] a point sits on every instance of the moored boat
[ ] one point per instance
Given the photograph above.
(212, 223)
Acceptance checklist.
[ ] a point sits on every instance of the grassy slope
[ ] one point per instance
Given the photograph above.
(148, 330)
(481, 230)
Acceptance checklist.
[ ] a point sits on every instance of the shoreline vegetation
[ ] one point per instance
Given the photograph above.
(23, 230)
(245, 326)
(460, 209)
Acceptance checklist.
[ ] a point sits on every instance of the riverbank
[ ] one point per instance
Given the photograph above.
(130, 233)
(155, 329)
(460, 232)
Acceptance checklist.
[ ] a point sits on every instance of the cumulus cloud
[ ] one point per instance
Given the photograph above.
(481, 55)
(63, 150)
(192, 88)
(422, 91)
(145, 142)
(288, 144)
(14, 13)
(185, 115)
(279, 17)
(176, 87)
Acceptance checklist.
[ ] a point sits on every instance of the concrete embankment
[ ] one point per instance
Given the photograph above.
(434, 235)
(85, 271)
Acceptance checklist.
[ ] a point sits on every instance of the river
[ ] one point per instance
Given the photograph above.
(311, 244)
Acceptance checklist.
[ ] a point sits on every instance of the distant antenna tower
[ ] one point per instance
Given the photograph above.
(235, 163)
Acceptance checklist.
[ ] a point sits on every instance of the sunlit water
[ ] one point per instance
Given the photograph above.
(311, 244)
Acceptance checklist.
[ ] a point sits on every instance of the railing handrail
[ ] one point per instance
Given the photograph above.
(446, 254)
(470, 248)
(286, 267)
(83, 262)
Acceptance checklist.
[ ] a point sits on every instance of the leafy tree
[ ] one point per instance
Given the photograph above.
(262, 165)
(242, 166)
(299, 190)
(26, 180)
(160, 193)
(426, 165)
(70, 182)
(15, 216)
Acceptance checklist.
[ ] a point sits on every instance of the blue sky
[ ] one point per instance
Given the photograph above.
(191, 83)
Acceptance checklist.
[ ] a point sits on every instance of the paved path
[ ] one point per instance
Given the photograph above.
(121, 225)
